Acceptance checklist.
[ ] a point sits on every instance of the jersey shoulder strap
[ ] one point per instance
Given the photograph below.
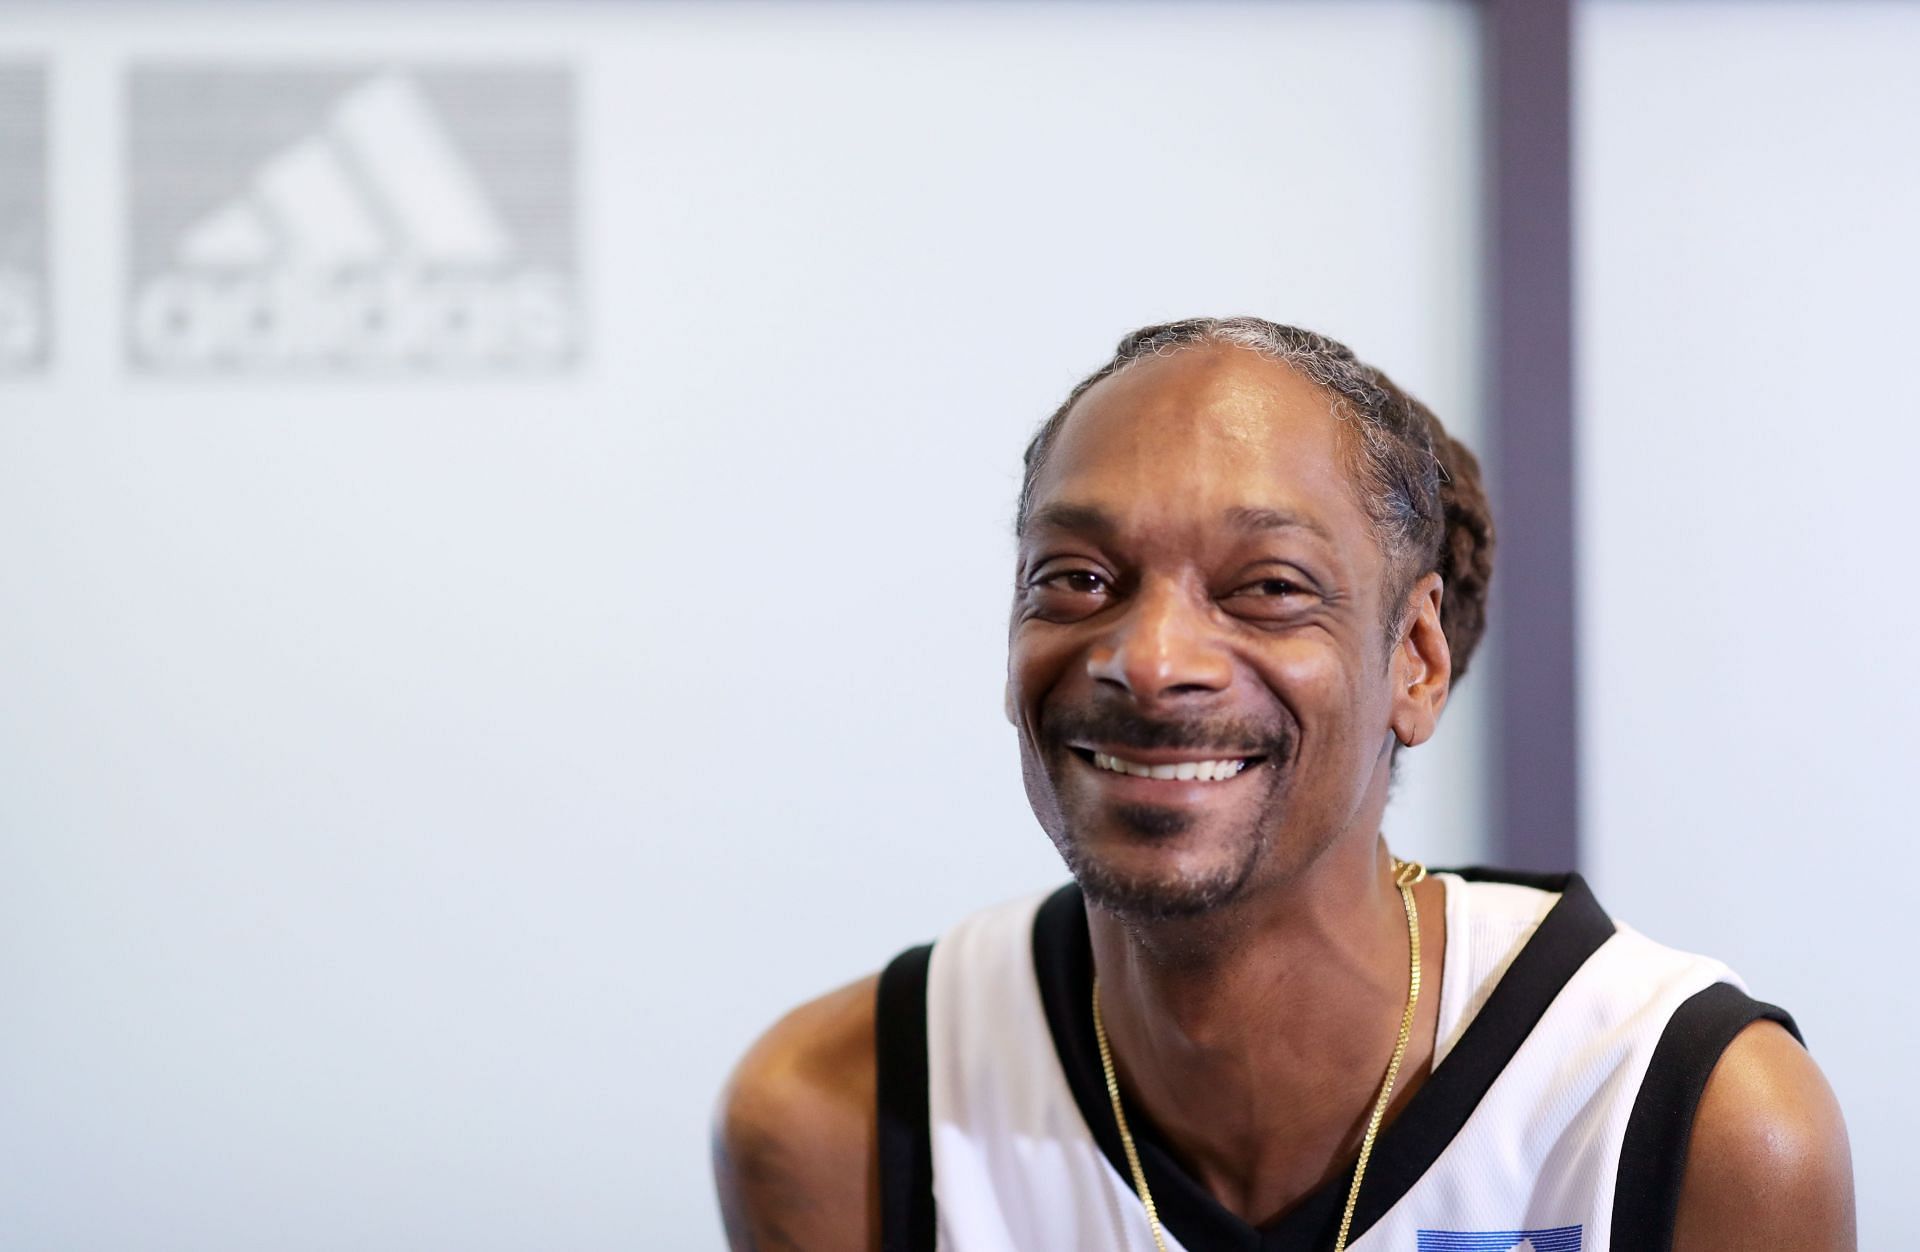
(942, 1011)
(1653, 1155)
(907, 1218)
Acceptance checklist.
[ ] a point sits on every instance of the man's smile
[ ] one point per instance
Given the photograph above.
(1162, 765)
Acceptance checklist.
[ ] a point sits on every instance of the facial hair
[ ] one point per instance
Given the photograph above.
(1139, 898)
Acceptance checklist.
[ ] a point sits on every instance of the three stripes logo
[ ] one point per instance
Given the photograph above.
(351, 219)
(1557, 1239)
(23, 218)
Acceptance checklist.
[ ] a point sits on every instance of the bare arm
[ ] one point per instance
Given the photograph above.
(1768, 1168)
(795, 1156)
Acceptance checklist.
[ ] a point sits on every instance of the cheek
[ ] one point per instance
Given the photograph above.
(1035, 667)
(1041, 797)
(1335, 703)
(1038, 659)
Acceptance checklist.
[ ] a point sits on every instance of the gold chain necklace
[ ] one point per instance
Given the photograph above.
(1405, 875)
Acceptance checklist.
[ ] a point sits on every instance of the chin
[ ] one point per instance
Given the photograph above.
(1159, 869)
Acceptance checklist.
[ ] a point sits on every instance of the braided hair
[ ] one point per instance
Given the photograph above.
(1421, 486)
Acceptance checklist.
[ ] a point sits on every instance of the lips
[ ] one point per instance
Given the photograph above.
(1156, 760)
(1215, 770)
(1165, 766)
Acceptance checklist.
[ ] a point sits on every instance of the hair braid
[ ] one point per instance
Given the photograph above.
(1465, 559)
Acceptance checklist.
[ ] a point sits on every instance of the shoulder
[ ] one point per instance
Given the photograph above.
(1768, 1166)
(794, 1136)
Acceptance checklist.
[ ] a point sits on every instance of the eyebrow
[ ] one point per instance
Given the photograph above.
(1244, 518)
(1084, 518)
(1093, 520)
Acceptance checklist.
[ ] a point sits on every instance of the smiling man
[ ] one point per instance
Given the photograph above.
(1250, 571)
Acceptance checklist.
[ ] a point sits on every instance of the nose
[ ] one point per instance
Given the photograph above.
(1165, 646)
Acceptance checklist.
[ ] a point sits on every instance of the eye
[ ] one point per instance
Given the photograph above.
(1276, 597)
(1067, 593)
(1078, 581)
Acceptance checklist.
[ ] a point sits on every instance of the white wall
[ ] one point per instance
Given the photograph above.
(414, 791)
(1748, 436)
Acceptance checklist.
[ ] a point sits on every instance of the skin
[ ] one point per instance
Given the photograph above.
(1199, 580)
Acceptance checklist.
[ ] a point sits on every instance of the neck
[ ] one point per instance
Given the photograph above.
(1256, 1039)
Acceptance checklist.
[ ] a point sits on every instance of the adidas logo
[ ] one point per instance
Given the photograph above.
(23, 218)
(370, 242)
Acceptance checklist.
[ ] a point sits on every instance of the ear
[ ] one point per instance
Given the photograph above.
(1421, 668)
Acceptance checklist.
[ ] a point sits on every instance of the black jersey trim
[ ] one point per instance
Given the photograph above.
(1573, 929)
(1653, 1155)
(905, 1144)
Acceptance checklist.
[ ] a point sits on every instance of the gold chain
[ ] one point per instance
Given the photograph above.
(1405, 875)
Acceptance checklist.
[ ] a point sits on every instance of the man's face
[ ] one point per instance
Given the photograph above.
(1199, 594)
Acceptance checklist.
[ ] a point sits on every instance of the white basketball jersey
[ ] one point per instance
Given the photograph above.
(1570, 1056)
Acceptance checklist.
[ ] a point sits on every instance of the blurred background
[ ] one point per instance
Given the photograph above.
(505, 532)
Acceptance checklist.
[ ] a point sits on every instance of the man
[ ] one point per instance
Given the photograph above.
(1250, 569)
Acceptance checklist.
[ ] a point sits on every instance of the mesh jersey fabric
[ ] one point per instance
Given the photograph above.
(1550, 1015)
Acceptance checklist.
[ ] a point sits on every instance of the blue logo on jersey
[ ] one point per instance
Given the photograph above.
(1559, 1239)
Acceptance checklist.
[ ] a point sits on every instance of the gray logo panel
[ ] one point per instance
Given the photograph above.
(24, 312)
(351, 219)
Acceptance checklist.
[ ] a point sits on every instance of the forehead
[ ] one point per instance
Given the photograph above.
(1176, 444)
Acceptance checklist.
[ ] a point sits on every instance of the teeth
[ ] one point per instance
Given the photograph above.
(1206, 771)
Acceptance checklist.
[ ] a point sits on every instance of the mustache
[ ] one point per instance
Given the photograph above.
(1116, 727)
